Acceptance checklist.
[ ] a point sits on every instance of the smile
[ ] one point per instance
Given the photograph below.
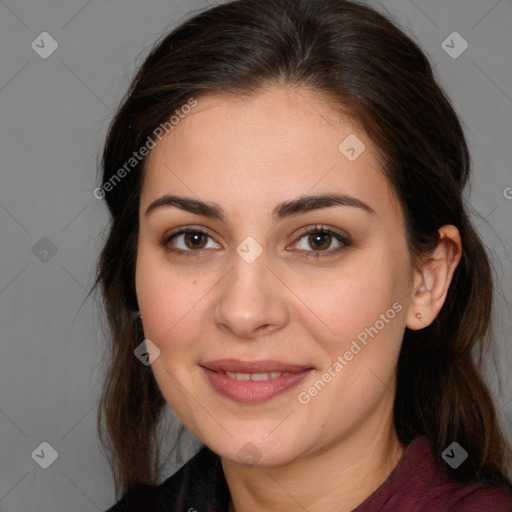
(255, 376)
(253, 381)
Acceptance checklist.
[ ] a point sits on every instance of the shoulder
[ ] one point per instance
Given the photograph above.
(419, 483)
(199, 481)
(481, 498)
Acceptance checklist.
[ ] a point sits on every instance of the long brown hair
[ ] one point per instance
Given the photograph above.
(368, 67)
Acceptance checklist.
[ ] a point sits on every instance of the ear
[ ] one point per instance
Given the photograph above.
(432, 280)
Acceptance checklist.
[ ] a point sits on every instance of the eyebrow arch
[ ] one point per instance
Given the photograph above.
(306, 203)
(286, 209)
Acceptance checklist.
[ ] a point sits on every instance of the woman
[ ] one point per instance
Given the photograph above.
(292, 263)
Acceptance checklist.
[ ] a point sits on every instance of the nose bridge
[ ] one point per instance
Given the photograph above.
(250, 296)
(246, 280)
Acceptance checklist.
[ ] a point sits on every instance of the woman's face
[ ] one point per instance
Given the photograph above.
(307, 325)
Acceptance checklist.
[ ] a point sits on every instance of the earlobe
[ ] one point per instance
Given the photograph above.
(432, 280)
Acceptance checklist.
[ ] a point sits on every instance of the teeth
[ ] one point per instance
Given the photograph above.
(255, 376)
(239, 376)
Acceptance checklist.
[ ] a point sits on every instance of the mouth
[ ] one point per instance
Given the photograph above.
(253, 381)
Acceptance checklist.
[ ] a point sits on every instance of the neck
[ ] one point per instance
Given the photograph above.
(339, 477)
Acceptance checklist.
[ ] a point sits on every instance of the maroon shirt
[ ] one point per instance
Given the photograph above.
(417, 484)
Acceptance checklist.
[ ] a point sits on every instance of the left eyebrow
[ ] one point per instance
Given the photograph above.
(306, 203)
(282, 210)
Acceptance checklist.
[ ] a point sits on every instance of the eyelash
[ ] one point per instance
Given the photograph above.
(309, 254)
(344, 241)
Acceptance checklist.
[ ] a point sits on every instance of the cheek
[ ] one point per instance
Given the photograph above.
(364, 310)
(355, 296)
(173, 303)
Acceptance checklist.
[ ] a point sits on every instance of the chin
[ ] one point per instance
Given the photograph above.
(256, 450)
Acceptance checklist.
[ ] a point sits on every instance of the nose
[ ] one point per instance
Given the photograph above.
(250, 300)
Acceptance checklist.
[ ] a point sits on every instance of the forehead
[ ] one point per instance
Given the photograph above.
(259, 149)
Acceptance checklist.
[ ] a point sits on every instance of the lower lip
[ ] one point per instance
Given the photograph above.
(253, 391)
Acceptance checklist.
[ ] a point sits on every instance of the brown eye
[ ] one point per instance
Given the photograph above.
(317, 241)
(189, 242)
(320, 241)
(195, 240)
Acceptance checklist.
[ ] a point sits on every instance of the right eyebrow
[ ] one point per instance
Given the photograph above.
(189, 205)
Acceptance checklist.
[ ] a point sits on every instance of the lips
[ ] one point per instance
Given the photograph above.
(253, 381)
(262, 366)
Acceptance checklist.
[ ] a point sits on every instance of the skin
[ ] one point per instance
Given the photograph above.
(247, 155)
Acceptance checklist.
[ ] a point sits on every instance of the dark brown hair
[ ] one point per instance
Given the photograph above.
(365, 65)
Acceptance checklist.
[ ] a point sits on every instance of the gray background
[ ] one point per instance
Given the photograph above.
(54, 115)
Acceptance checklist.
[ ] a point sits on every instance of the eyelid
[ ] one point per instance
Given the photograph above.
(181, 231)
(186, 229)
(320, 228)
(343, 239)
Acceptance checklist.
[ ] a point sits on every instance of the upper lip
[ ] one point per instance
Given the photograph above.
(261, 366)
